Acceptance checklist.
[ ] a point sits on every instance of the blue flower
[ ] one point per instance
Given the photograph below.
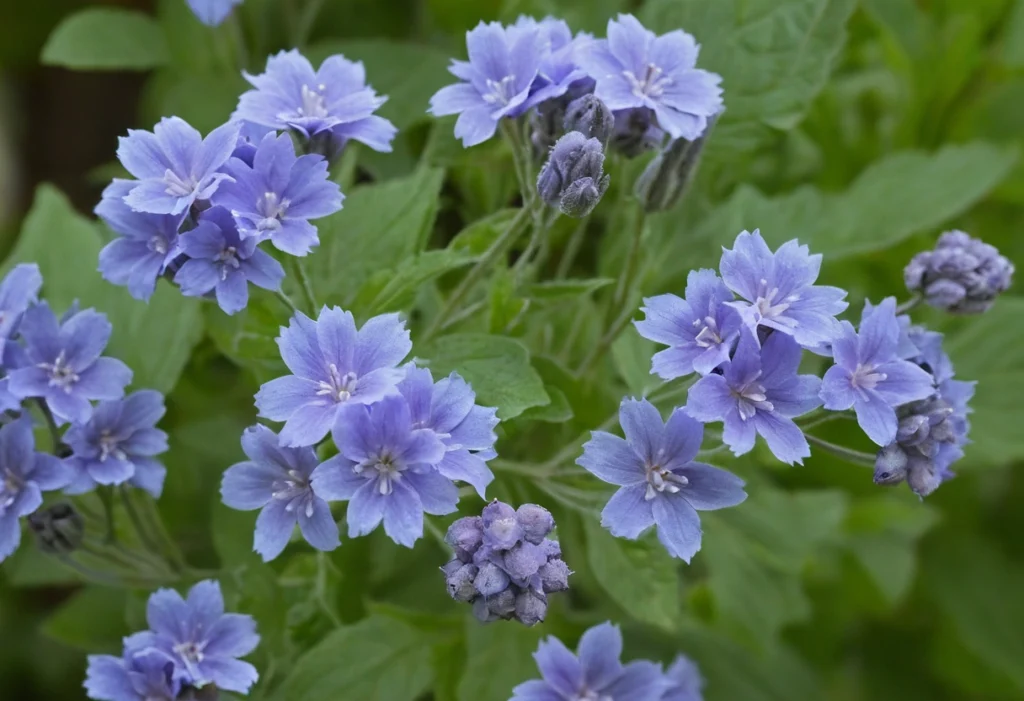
(24, 476)
(686, 681)
(174, 165)
(759, 392)
(700, 330)
(869, 376)
(332, 104)
(449, 409)
(276, 195)
(64, 363)
(135, 676)
(559, 69)
(117, 444)
(147, 244)
(222, 261)
(333, 364)
(634, 68)
(595, 674)
(779, 290)
(200, 639)
(19, 288)
(660, 483)
(503, 63)
(276, 480)
(386, 470)
(212, 12)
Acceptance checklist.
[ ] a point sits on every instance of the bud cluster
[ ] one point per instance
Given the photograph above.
(573, 178)
(504, 563)
(920, 454)
(962, 274)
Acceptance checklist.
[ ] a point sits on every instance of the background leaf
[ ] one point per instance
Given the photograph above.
(107, 38)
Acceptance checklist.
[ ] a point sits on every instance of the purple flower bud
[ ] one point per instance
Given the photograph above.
(536, 522)
(573, 177)
(465, 536)
(490, 579)
(531, 607)
(461, 583)
(591, 117)
(481, 611)
(552, 548)
(58, 529)
(922, 476)
(523, 561)
(503, 604)
(666, 179)
(554, 576)
(890, 465)
(913, 430)
(501, 527)
(636, 131)
(962, 275)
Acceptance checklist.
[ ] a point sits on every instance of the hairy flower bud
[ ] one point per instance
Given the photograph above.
(554, 576)
(573, 177)
(58, 529)
(531, 606)
(890, 465)
(523, 561)
(536, 522)
(922, 477)
(465, 536)
(503, 605)
(962, 275)
(636, 132)
(490, 579)
(460, 582)
(591, 117)
(666, 178)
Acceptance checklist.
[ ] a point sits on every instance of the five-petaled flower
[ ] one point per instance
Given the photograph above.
(19, 289)
(334, 364)
(276, 480)
(759, 392)
(138, 675)
(660, 483)
(386, 470)
(636, 69)
(174, 165)
(869, 376)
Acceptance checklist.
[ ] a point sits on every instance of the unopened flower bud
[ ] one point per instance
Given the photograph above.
(913, 430)
(503, 604)
(536, 522)
(490, 579)
(922, 477)
(461, 583)
(962, 275)
(591, 117)
(465, 537)
(890, 465)
(636, 132)
(552, 548)
(554, 576)
(666, 178)
(58, 529)
(573, 177)
(531, 607)
(501, 527)
(523, 561)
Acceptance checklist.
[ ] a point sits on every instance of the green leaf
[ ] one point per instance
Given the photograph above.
(478, 236)
(500, 657)
(558, 411)
(106, 38)
(894, 198)
(497, 367)
(774, 57)
(248, 337)
(377, 659)
(632, 355)
(407, 73)
(639, 575)
(1013, 42)
(93, 620)
(395, 289)
(557, 290)
(155, 339)
(381, 224)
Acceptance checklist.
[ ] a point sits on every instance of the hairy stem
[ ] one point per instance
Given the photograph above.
(909, 304)
(572, 249)
(848, 454)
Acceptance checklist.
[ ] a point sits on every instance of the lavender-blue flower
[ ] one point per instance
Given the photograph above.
(18, 290)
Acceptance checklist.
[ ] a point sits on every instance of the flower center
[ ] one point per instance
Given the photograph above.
(768, 307)
(751, 398)
(229, 259)
(313, 102)
(387, 467)
(500, 91)
(9, 489)
(338, 387)
(190, 652)
(709, 334)
(110, 446)
(661, 480)
(590, 695)
(62, 375)
(866, 377)
(652, 84)
(177, 186)
(272, 208)
(293, 488)
(157, 244)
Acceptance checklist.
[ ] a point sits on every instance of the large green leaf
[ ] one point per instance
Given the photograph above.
(380, 226)
(774, 57)
(500, 657)
(106, 38)
(639, 575)
(155, 339)
(497, 367)
(377, 659)
(92, 620)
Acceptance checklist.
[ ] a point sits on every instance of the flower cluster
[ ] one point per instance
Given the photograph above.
(597, 673)
(504, 563)
(56, 365)
(962, 275)
(402, 438)
(199, 209)
(191, 644)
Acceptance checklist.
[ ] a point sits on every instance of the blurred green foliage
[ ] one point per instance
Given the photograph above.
(862, 128)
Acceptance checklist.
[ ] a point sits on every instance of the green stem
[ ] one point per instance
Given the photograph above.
(104, 578)
(908, 305)
(307, 286)
(107, 499)
(510, 131)
(287, 301)
(572, 249)
(238, 38)
(497, 249)
(58, 448)
(606, 341)
(848, 454)
(146, 537)
(305, 22)
(629, 270)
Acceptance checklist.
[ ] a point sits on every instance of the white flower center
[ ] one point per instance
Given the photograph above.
(313, 102)
(866, 377)
(293, 488)
(61, 374)
(9, 489)
(388, 470)
(589, 695)
(652, 84)
(190, 652)
(157, 244)
(229, 259)
(500, 92)
(768, 307)
(179, 187)
(272, 208)
(751, 398)
(110, 446)
(709, 334)
(337, 386)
